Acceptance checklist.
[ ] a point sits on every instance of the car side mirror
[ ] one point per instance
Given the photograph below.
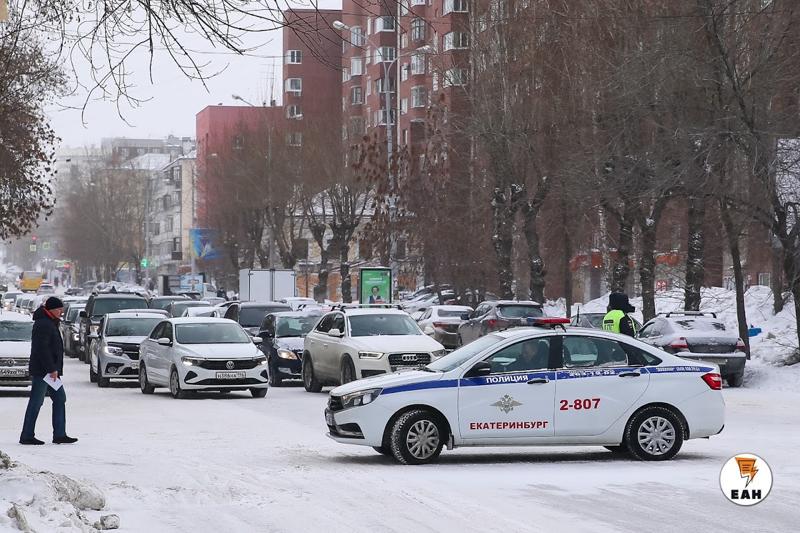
(480, 369)
(257, 340)
(163, 341)
(464, 316)
(83, 314)
(335, 333)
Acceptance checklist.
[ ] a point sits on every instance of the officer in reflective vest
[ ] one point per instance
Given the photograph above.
(617, 319)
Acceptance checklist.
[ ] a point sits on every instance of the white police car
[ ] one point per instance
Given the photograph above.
(534, 386)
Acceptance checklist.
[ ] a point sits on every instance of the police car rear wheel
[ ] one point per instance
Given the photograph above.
(417, 437)
(654, 434)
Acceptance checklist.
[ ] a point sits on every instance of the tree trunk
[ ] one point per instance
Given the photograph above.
(622, 267)
(535, 261)
(503, 240)
(344, 270)
(791, 271)
(694, 254)
(567, 242)
(776, 279)
(738, 275)
(647, 271)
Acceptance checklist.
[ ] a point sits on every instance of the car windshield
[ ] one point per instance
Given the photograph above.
(519, 311)
(15, 331)
(463, 354)
(178, 307)
(131, 327)
(294, 326)
(449, 313)
(103, 306)
(691, 324)
(592, 320)
(11, 296)
(251, 316)
(370, 325)
(163, 303)
(72, 314)
(210, 333)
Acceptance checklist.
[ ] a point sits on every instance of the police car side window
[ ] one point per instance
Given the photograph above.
(639, 357)
(531, 354)
(584, 352)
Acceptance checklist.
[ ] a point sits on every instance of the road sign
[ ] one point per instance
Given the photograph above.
(33, 248)
(45, 245)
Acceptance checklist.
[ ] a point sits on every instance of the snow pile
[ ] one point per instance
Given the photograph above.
(44, 501)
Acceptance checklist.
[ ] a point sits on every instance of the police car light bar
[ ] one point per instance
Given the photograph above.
(551, 322)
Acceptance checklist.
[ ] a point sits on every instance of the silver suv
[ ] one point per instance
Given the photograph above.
(115, 346)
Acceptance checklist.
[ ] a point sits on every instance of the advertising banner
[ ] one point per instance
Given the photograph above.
(203, 244)
(375, 285)
(192, 282)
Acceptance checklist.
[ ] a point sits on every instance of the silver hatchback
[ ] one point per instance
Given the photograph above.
(114, 352)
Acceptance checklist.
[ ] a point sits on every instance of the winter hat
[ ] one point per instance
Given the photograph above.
(53, 303)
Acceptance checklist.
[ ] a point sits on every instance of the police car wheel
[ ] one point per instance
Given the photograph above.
(654, 434)
(309, 379)
(417, 437)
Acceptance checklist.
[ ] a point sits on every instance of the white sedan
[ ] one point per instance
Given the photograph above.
(193, 354)
(534, 386)
(15, 350)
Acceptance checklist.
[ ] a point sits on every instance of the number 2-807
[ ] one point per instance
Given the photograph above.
(580, 404)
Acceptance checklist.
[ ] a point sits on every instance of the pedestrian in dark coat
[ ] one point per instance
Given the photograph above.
(47, 359)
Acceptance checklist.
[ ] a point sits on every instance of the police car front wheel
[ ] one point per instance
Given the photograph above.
(654, 434)
(417, 437)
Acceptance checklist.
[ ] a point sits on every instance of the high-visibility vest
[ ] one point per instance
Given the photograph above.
(612, 319)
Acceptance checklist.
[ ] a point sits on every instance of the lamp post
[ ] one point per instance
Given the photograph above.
(387, 67)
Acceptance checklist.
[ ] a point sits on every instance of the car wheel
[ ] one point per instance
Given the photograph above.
(617, 450)
(258, 393)
(92, 375)
(417, 437)
(101, 381)
(654, 434)
(274, 379)
(175, 385)
(348, 371)
(735, 380)
(144, 383)
(383, 450)
(309, 379)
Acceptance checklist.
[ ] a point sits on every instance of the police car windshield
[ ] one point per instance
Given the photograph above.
(463, 354)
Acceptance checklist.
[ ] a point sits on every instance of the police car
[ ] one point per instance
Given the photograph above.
(535, 386)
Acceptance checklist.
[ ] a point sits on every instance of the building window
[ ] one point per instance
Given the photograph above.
(294, 85)
(357, 126)
(390, 86)
(357, 36)
(356, 66)
(455, 76)
(456, 40)
(166, 202)
(385, 23)
(238, 142)
(294, 111)
(356, 95)
(294, 57)
(294, 138)
(455, 6)
(369, 26)
(300, 249)
(400, 252)
(419, 96)
(385, 53)
(156, 228)
(403, 106)
(417, 64)
(176, 244)
(345, 74)
(417, 30)
(380, 117)
(404, 68)
(170, 226)
(419, 2)
(404, 40)
(764, 278)
(405, 136)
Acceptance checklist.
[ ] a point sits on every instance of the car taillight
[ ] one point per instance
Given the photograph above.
(491, 323)
(679, 345)
(440, 324)
(740, 347)
(713, 380)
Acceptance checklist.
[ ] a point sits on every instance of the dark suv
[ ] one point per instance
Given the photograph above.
(98, 306)
(282, 337)
(250, 314)
(494, 316)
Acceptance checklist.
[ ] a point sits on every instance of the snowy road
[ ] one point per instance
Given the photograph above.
(240, 464)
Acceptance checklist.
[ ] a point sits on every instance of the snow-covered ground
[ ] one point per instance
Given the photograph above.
(240, 464)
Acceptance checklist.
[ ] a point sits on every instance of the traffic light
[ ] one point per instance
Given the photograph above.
(144, 262)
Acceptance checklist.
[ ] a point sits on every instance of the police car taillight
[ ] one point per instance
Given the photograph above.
(679, 345)
(713, 380)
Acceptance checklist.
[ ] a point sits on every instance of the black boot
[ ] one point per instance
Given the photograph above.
(31, 441)
(64, 440)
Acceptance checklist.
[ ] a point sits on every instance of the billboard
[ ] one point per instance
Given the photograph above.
(192, 282)
(375, 285)
(203, 244)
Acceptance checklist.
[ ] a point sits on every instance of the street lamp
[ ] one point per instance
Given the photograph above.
(387, 66)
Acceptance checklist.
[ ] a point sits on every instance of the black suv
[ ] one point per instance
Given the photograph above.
(282, 337)
(98, 306)
(495, 316)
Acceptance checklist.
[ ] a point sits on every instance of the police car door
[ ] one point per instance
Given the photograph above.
(595, 385)
(515, 400)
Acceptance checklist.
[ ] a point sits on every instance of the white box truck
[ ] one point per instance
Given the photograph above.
(266, 285)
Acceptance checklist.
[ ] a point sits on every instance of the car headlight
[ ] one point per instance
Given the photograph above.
(360, 398)
(438, 353)
(261, 360)
(287, 354)
(191, 361)
(112, 350)
(370, 355)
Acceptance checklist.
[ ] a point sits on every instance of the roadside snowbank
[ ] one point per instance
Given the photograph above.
(44, 501)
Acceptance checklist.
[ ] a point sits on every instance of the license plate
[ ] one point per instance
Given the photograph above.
(135, 365)
(230, 375)
(14, 372)
(329, 418)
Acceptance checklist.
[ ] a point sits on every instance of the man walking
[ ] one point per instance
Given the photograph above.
(47, 360)
(617, 319)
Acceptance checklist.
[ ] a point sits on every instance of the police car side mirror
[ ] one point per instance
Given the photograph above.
(480, 369)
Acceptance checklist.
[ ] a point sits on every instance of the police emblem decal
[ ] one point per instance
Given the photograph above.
(506, 404)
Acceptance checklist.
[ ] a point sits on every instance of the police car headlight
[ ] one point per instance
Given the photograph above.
(286, 354)
(360, 398)
(438, 353)
(370, 355)
(112, 350)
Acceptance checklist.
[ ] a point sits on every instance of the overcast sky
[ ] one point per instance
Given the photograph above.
(173, 99)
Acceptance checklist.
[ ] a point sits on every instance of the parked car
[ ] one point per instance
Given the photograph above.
(215, 300)
(426, 301)
(74, 291)
(96, 308)
(441, 322)
(495, 316)
(163, 302)
(9, 298)
(282, 337)
(115, 347)
(19, 304)
(176, 308)
(46, 288)
(70, 328)
(595, 321)
(250, 314)
(15, 352)
(193, 354)
(359, 342)
(201, 310)
(296, 302)
(700, 337)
